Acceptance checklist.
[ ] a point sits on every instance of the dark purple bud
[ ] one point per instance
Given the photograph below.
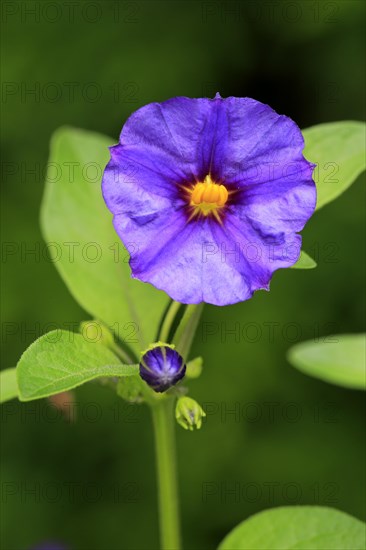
(162, 367)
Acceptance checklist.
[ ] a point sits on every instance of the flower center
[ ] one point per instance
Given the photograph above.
(208, 197)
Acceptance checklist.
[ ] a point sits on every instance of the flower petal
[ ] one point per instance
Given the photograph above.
(241, 143)
(137, 189)
(281, 206)
(190, 268)
(252, 134)
(203, 261)
(167, 134)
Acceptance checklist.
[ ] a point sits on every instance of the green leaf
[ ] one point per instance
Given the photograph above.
(8, 385)
(300, 527)
(338, 149)
(61, 360)
(86, 250)
(338, 359)
(304, 262)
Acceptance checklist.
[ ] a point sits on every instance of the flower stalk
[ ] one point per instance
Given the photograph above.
(184, 335)
(164, 426)
(168, 321)
(163, 415)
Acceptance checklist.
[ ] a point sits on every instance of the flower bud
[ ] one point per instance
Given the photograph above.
(162, 367)
(189, 413)
(129, 388)
(194, 367)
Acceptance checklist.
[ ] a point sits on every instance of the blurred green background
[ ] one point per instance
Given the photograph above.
(273, 436)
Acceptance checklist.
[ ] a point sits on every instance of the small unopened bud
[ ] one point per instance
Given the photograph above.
(162, 367)
(194, 367)
(189, 413)
(129, 388)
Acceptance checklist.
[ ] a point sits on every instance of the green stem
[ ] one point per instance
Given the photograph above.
(183, 337)
(121, 354)
(164, 424)
(168, 321)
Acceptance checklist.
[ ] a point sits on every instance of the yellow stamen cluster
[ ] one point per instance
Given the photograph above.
(208, 197)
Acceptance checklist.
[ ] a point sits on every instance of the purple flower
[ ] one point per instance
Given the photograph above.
(162, 367)
(208, 196)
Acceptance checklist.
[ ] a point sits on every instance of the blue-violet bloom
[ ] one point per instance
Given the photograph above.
(208, 196)
(162, 367)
